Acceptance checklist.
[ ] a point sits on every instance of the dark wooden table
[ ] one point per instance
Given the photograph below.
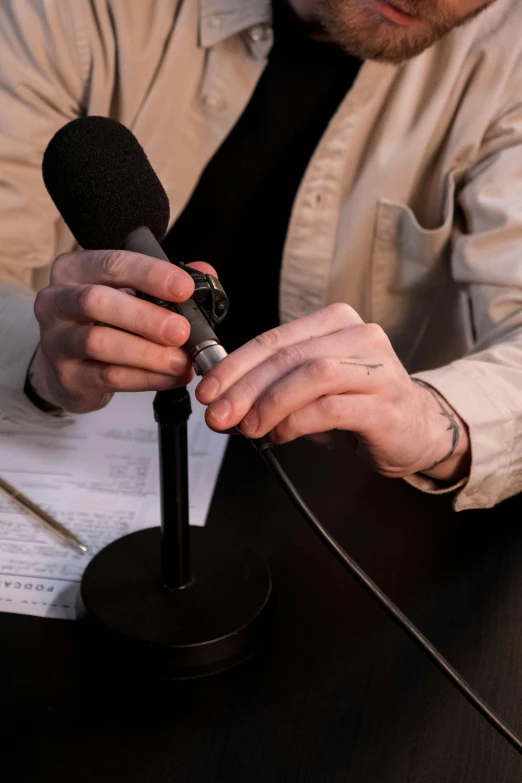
(340, 695)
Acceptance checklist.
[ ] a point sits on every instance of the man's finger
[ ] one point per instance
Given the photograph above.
(115, 378)
(327, 321)
(123, 269)
(103, 344)
(350, 412)
(98, 303)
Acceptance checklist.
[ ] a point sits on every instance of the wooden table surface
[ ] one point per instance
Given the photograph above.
(340, 695)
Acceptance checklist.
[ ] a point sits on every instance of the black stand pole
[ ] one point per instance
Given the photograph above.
(175, 601)
(171, 411)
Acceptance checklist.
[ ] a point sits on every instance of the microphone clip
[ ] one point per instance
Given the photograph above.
(209, 295)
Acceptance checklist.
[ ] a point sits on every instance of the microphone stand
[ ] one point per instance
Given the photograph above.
(176, 601)
(171, 412)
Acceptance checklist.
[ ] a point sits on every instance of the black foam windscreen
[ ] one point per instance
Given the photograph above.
(102, 183)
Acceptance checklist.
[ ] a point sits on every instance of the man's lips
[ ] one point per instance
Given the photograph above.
(394, 14)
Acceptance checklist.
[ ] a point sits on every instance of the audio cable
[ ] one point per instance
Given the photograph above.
(265, 448)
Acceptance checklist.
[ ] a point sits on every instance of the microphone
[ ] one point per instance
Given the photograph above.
(167, 601)
(110, 197)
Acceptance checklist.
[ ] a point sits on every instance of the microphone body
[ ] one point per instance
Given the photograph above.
(202, 346)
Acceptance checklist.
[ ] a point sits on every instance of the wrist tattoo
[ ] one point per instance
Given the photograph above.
(453, 427)
(363, 364)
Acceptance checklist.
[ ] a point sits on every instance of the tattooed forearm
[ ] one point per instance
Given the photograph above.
(453, 427)
(363, 364)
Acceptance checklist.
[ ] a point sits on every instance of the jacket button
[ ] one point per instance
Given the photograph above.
(213, 101)
(257, 33)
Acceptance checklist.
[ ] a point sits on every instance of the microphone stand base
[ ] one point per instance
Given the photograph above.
(215, 622)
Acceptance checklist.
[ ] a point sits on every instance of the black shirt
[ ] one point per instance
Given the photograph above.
(237, 218)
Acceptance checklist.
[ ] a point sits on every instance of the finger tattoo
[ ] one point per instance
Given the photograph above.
(363, 364)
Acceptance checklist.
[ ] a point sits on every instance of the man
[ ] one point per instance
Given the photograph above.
(375, 147)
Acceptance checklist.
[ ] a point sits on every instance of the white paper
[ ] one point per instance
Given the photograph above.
(100, 478)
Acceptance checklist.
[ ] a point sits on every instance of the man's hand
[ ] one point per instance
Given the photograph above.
(329, 371)
(81, 360)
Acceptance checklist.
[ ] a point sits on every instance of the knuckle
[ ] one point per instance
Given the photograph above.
(89, 300)
(150, 357)
(158, 359)
(375, 335)
(289, 356)
(92, 342)
(322, 368)
(42, 304)
(111, 376)
(273, 399)
(141, 323)
(149, 271)
(343, 313)
(331, 408)
(247, 390)
(269, 341)
(113, 263)
(150, 324)
(60, 267)
(163, 279)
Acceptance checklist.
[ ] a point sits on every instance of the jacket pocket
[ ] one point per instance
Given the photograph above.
(410, 267)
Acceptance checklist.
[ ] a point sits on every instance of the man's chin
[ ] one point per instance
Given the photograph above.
(392, 55)
(376, 40)
(364, 32)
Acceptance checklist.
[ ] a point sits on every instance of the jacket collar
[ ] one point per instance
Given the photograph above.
(220, 19)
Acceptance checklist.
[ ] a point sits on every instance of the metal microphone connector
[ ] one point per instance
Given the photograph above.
(206, 355)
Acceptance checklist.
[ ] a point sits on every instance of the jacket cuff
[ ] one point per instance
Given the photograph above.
(19, 336)
(432, 486)
(465, 384)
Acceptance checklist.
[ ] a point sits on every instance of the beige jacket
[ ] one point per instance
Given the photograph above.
(410, 209)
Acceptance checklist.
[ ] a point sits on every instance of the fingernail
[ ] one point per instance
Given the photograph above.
(174, 331)
(181, 284)
(208, 389)
(250, 422)
(220, 411)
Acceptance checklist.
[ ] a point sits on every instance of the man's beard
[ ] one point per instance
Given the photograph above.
(359, 28)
